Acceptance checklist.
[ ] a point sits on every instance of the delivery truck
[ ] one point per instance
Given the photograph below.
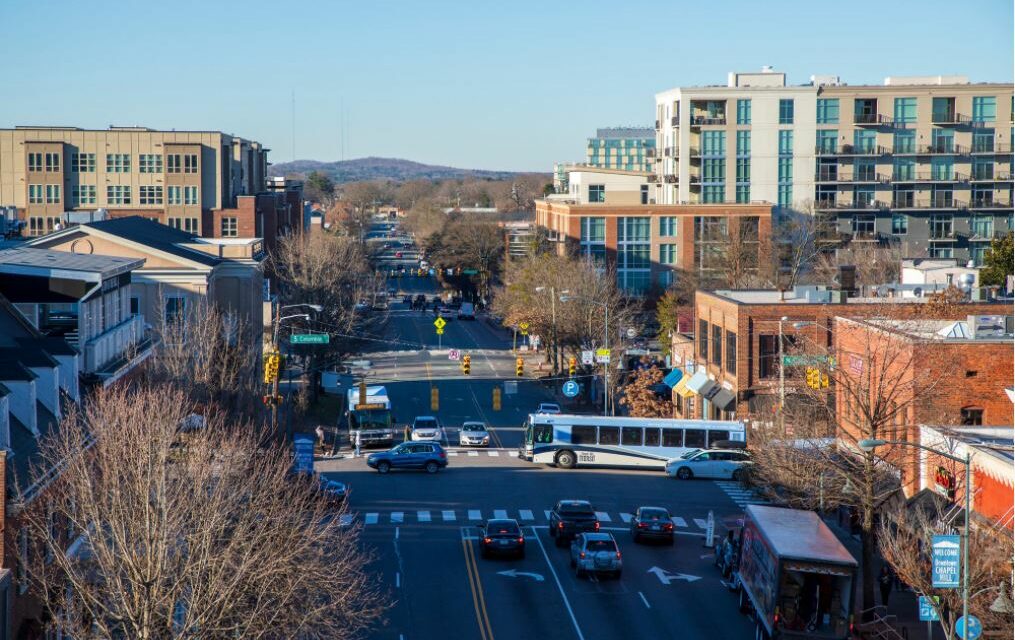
(369, 415)
(794, 575)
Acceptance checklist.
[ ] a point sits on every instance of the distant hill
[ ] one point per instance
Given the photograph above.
(384, 169)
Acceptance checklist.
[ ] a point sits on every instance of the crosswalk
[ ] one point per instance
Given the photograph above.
(452, 453)
(739, 494)
(523, 516)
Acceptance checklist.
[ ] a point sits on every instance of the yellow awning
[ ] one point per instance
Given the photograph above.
(681, 388)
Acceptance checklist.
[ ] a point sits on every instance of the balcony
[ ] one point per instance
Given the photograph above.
(694, 181)
(851, 150)
(113, 343)
(942, 149)
(694, 152)
(867, 236)
(943, 201)
(862, 205)
(986, 236)
(826, 176)
(865, 177)
(650, 153)
(990, 148)
(675, 121)
(906, 203)
(825, 204)
(670, 178)
(991, 176)
(943, 235)
(871, 120)
(945, 118)
(706, 121)
(929, 176)
(667, 151)
(989, 203)
(657, 125)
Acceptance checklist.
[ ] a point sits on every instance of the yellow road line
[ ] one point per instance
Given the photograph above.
(476, 586)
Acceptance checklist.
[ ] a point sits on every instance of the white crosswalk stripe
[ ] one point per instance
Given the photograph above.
(525, 514)
(474, 514)
(701, 523)
(473, 454)
(448, 516)
(500, 514)
(371, 518)
(397, 516)
(452, 453)
(345, 519)
(423, 516)
(678, 521)
(493, 454)
(740, 495)
(626, 517)
(603, 516)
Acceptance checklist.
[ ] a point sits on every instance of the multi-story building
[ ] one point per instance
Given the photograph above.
(584, 185)
(179, 178)
(648, 245)
(628, 148)
(925, 162)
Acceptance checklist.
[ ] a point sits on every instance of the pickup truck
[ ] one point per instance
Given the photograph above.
(795, 575)
(571, 517)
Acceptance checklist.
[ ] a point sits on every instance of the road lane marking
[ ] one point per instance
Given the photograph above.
(345, 519)
(397, 530)
(448, 516)
(452, 453)
(560, 587)
(546, 514)
(525, 514)
(603, 516)
(423, 516)
(397, 516)
(398, 580)
(473, 454)
(493, 454)
(474, 514)
(678, 521)
(500, 514)
(626, 517)
(476, 587)
(371, 518)
(701, 523)
(647, 605)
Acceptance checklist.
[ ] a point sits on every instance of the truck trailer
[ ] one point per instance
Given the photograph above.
(795, 575)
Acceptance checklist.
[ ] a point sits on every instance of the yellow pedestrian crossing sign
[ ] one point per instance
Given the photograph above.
(524, 326)
(439, 323)
(440, 332)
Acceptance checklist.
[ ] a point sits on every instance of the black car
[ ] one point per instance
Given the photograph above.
(407, 299)
(652, 522)
(571, 517)
(502, 537)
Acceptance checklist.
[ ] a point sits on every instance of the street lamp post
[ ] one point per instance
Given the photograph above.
(565, 297)
(553, 324)
(782, 379)
(870, 444)
(274, 343)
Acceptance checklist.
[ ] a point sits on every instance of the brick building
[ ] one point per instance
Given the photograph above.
(736, 352)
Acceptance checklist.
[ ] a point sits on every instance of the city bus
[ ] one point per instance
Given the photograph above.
(570, 441)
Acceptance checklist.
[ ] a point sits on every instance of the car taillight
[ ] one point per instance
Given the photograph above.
(597, 525)
(642, 525)
(486, 540)
(776, 617)
(668, 526)
(618, 555)
(582, 555)
(560, 525)
(444, 454)
(521, 540)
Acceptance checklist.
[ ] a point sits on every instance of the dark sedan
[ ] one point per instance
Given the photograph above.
(502, 537)
(652, 522)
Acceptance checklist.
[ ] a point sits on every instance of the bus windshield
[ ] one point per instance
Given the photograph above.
(369, 419)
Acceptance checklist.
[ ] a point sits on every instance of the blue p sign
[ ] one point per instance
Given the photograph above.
(570, 388)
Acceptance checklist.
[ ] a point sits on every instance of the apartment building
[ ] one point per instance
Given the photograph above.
(924, 162)
(628, 148)
(649, 244)
(584, 185)
(178, 178)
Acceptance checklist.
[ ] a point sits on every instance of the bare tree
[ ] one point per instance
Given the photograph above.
(184, 534)
(875, 264)
(641, 398)
(799, 240)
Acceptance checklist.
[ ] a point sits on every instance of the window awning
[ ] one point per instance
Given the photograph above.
(681, 388)
(700, 384)
(673, 377)
(723, 399)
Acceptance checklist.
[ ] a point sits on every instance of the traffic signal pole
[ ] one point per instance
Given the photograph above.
(274, 382)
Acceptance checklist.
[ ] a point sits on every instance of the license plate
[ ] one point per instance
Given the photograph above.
(503, 543)
(655, 527)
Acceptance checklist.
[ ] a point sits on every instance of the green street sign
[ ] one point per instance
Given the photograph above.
(470, 272)
(804, 360)
(309, 338)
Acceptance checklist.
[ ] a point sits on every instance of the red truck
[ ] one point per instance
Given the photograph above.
(795, 575)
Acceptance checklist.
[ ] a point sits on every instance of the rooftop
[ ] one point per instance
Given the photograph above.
(814, 294)
(41, 262)
(974, 329)
(615, 133)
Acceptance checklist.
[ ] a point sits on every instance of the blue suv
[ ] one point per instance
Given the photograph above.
(429, 456)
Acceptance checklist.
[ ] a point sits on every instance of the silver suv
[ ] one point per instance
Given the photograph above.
(595, 553)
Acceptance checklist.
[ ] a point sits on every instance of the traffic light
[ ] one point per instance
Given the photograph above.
(496, 398)
(816, 379)
(434, 399)
(271, 362)
(467, 364)
(572, 365)
(519, 367)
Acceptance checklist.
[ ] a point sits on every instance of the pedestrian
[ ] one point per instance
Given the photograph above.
(885, 581)
(408, 433)
(320, 435)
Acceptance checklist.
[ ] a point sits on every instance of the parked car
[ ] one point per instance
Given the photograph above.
(427, 428)
(652, 522)
(595, 553)
(712, 463)
(501, 536)
(361, 307)
(428, 456)
(570, 518)
(548, 407)
(333, 491)
(473, 434)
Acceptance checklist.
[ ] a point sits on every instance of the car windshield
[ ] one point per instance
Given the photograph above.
(472, 428)
(583, 509)
(654, 514)
(690, 454)
(425, 423)
(601, 545)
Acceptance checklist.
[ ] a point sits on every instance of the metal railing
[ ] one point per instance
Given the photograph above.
(871, 118)
(697, 121)
(112, 343)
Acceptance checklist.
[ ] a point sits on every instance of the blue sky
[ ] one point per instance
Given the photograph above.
(493, 85)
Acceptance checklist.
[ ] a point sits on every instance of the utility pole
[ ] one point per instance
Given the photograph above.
(274, 382)
(606, 366)
(782, 380)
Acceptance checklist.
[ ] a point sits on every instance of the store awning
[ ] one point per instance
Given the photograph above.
(723, 399)
(700, 383)
(681, 388)
(673, 377)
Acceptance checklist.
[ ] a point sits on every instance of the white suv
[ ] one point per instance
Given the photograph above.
(427, 428)
(551, 408)
(724, 464)
(473, 434)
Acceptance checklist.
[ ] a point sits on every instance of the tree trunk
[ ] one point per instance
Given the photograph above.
(867, 537)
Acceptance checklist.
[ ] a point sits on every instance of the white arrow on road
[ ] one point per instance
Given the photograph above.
(516, 574)
(666, 577)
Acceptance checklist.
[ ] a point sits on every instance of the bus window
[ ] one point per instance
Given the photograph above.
(715, 437)
(651, 437)
(609, 435)
(583, 435)
(673, 437)
(543, 433)
(694, 438)
(631, 436)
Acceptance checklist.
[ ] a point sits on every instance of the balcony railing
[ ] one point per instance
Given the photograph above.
(929, 176)
(986, 236)
(851, 150)
(943, 149)
(113, 343)
(991, 147)
(670, 178)
(866, 236)
(943, 235)
(675, 121)
(868, 119)
(905, 203)
(949, 117)
(698, 121)
(826, 176)
(694, 180)
(940, 201)
(862, 205)
(989, 203)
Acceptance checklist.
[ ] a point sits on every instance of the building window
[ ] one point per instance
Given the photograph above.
(731, 352)
(972, 416)
(865, 140)
(828, 111)
(743, 193)
(900, 224)
(52, 194)
(863, 225)
(982, 226)
(82, 163)
(941, 225)
(135, 305)
(597, 193)
(785, 195)
(713, 170)
(743, 143)
(53, 162)
(786, 142)
(703, 340)
(905, 141)
(717, 345)
(116, 194)
(644, 194)
(35, 162)
(743, 170)
(786, 111)
(83, 194)
(713, 143)
(229, 227)
(150, 163)
(905, 169)
(983, 141)
(190, 163)
(713, 194)
(984, 109)
(175, 307)
(593, 238)
(983, 169)
(174, 195)
(768, 356)
(943, 140)
(827, 140)
(905, 110)
(668, 253)
(977, 253)
(743, 111)
(151, 195)
(190, 195)
(173, 163)
(941, 253)
(117, 163)
(668, 226)
(942, 168)
(35, 194)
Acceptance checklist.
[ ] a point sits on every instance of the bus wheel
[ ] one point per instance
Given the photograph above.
(566, 459)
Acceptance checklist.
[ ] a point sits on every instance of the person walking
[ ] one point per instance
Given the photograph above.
(885, 582)
(320, 436)
(408, 433)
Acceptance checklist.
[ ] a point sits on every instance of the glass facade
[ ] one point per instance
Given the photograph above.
(593, 238)
(827, 139)
(984, 109)
(905, 110)
(905, 141)
(786, 111)
(743, 111)
(713, 143)
(668, 226)
(743, 143)
(828, 111)
(634, 253)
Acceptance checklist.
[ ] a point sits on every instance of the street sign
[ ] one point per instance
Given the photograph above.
(571, 388)
(524, 326)
(440, 332)
(800, 360)
(303, 453)
(309, 338)
(603, 356)
(928, 612)
(975, 628)
(439, 322)
(588, 357)
(945, 561)
(454, 354)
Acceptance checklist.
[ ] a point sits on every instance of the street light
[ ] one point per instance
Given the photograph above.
(566, 297)
(274, 343)
(870, 444)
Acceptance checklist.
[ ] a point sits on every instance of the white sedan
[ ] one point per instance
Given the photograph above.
(473, 434)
